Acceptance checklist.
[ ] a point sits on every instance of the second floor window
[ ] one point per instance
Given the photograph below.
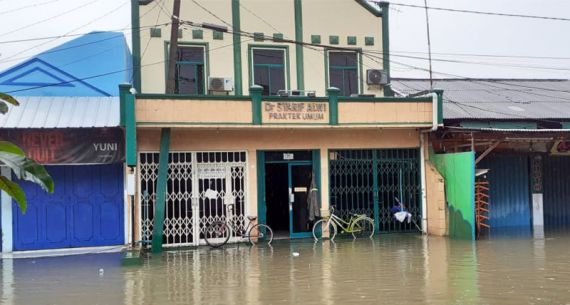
(190, 72)
(269, 70)
(343, 72)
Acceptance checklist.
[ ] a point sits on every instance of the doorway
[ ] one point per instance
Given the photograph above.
(286, 188)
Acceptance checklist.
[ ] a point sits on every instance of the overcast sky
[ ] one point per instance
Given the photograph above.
(457, 33)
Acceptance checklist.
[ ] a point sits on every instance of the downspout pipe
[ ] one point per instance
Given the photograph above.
(436, 119)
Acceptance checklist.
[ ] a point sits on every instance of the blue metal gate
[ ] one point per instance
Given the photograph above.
(509, 193)
(556, 186)
(86, 209)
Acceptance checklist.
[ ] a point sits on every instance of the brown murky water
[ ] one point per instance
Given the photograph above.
(395, 269)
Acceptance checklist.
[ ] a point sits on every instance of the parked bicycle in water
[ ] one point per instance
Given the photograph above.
(218, 233)
(359, 225)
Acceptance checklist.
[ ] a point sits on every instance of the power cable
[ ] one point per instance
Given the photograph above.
(28, 6)
(47, 19)
(479, 12)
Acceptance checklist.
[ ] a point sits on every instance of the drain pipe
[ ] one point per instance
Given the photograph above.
(435, 124)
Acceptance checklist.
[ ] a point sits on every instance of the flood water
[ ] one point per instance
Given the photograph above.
(395, 269)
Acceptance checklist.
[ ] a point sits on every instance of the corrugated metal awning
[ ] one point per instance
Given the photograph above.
(62, 112)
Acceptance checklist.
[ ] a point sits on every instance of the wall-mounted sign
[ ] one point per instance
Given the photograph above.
(561, 147)
(205, 172)
(288, 156)
(295, 112)
(69, 146)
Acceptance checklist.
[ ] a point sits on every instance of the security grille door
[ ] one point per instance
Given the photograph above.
(368, 181)
(202, 187)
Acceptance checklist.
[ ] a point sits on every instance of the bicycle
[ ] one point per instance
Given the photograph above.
(218, 233)
(359, 225)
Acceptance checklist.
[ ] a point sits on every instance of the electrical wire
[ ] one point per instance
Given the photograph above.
(48, 19)
(479, 12)
(28, 6)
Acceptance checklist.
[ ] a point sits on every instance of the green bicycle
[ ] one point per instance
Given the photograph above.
(359, 225)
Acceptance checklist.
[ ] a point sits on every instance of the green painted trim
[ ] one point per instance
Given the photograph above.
(136, 44)
(258, 36)
(439, 93)
(316, 39)
(197, 34)
(161, 96)
(299, 49)
(123, 91)
(368, 41)
(386, 45)
(261, 204)
(130, 131)
(217, 35)
(155, 32)
(370, 8)
(278, 37)
(317, 171)
(375, 197)
(359, 67)
(351, 40)
(268, 46)
(416, 124)
(333, 105)
(161, 191)
(236, 27)
(385, 100)
(360, 74)
(333, 39)
(255, 93)
(206, 47)
(166, 124)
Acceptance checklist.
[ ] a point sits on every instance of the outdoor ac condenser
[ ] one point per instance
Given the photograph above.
(222, 84)
(376, 77)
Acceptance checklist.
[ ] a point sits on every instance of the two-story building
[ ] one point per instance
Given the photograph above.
(270, 95)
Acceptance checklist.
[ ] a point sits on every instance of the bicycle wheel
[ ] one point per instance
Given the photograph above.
(217, 234)
(363, 227)
(320, 232)
(260, 233)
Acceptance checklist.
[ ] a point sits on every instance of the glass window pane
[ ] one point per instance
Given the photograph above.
(193, 54)
(277, 80)
(274, 57)
(343, 59)
(350, 82)
(186, 79)
(261, 78)
(335, 79)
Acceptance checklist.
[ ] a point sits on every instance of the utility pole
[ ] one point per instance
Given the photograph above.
(173, 53)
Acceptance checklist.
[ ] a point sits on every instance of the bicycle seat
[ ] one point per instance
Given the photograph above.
(251, 218)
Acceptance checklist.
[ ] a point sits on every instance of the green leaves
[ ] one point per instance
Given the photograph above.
(5, 98)
(13, 190)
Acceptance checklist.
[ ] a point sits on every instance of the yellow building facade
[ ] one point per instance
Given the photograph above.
(273, 99)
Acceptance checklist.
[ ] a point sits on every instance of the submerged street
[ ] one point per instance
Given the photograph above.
(400, 269)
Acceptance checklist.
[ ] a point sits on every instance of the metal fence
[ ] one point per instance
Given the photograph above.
(368, 181)
(200, 187)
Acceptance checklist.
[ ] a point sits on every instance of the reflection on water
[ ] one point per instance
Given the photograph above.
(400, 269)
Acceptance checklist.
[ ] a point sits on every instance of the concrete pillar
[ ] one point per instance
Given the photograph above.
(324, 181)
(6, 206)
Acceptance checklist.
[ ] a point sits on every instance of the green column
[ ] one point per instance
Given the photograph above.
(236, 27)
(255, 93)
(386, 44)
(159, 205)
(439, 93)
(299, 47)
(130, 130)
(332, 93)
(123, 91)
(375, 186)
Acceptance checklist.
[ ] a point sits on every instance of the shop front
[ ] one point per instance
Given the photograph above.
(240, 156)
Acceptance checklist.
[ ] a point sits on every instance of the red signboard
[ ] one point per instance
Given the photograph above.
(69, 146)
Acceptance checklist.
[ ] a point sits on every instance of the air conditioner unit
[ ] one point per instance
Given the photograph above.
(223, 84)
(376, 77)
